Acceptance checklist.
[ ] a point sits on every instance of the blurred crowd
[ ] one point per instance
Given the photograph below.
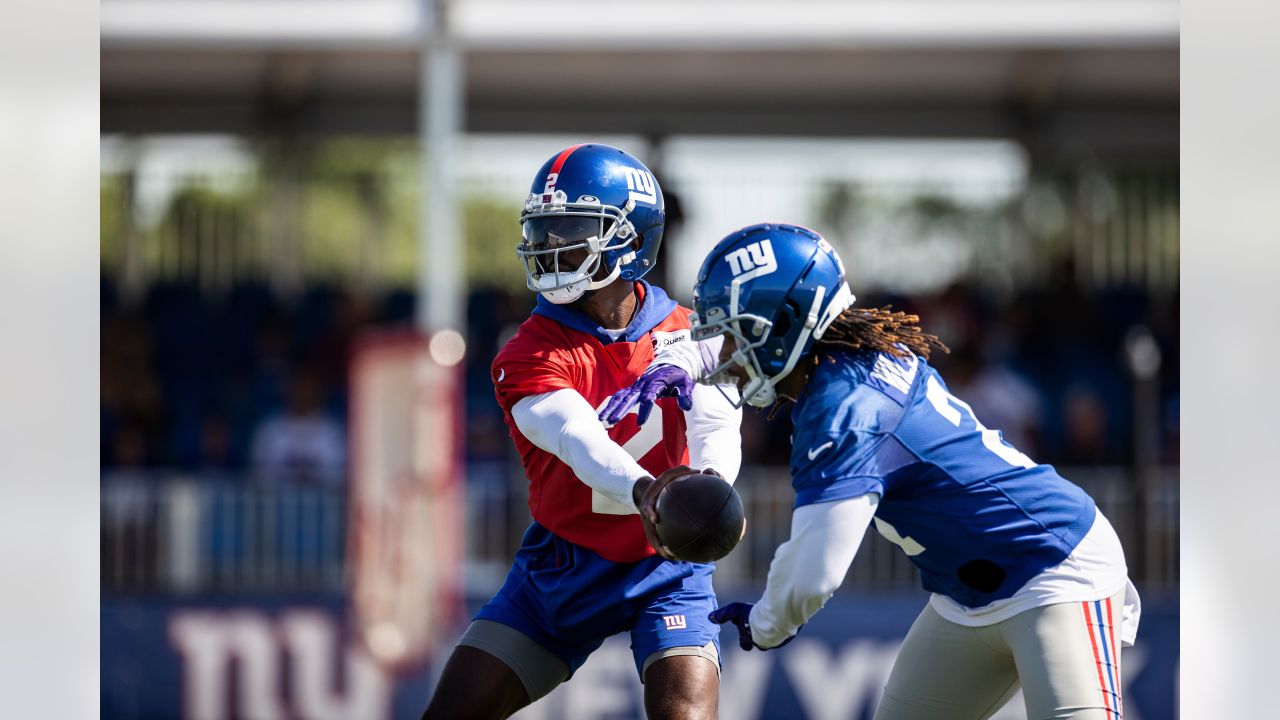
(244, 381)
(248, 384)
(1049, 367)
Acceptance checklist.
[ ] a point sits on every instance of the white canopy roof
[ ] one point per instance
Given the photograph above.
(1101, 74)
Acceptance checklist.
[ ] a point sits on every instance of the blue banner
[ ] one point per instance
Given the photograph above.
(294, 659)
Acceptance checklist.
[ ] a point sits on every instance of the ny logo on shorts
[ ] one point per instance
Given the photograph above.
(674, 622)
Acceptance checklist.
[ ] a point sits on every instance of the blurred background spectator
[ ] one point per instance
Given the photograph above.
(303, 443)
(1071, 407)
(233, 354)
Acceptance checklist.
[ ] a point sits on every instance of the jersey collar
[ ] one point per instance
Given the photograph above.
(655, 307)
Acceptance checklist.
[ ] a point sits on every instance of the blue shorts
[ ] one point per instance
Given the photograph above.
(568, 599)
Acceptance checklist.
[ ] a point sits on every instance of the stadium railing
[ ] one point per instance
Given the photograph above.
(182, 534)
(178, 533)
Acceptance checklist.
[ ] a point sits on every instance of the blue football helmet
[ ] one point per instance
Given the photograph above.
(773, 289)
(590, 206)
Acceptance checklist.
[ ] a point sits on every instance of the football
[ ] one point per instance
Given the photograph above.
(700, 517)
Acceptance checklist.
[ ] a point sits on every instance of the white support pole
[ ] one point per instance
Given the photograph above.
(441, 283)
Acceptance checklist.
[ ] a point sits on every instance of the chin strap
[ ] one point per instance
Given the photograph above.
(763, 394)
(576, 289)
(759, 391)
(567, 294)
(613, 275)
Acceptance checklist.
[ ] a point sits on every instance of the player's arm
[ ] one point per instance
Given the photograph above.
(809, 567)
(676, 371)
(713, 428)
(697, 358)
(562, 423)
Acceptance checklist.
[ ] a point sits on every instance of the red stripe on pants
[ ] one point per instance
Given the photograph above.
(1097, 661)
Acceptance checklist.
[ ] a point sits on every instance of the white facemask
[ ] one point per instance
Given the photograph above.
(565, 294)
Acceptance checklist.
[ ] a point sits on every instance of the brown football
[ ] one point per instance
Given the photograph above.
(700, 517)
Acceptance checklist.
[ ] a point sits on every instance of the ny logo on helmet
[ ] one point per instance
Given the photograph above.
(756, 257)
(644, 189)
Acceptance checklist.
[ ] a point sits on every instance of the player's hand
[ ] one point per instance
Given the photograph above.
(740, 615)
(658, 381)
(645, 496)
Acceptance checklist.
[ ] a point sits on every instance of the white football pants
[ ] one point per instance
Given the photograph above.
(1065, 658)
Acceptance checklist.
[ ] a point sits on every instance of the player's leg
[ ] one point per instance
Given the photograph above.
(510, 655)
(945, 671)
(494, 671)
(477, 685)
(683, 686)
(1068, 659)
(677, 647)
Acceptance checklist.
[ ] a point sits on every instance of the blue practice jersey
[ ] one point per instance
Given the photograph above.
(978, 517)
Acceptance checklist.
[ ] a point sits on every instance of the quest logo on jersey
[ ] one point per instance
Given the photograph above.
(756, 258)
(663, 340)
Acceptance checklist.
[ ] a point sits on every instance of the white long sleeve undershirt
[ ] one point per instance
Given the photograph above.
(714, 424)
(713, 428)
(564, 424)
(809, 568)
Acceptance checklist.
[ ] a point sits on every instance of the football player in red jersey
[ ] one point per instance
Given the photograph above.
(587, 567)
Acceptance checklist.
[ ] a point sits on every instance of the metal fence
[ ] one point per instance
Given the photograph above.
(186, 535)
(192, 535)
(1145, 515)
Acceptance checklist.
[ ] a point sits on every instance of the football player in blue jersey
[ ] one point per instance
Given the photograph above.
(1028, 579)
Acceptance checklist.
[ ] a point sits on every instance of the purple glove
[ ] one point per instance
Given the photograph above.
(740, 615)
(656, 382)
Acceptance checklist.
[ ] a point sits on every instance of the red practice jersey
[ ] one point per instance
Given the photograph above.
(546, 355)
